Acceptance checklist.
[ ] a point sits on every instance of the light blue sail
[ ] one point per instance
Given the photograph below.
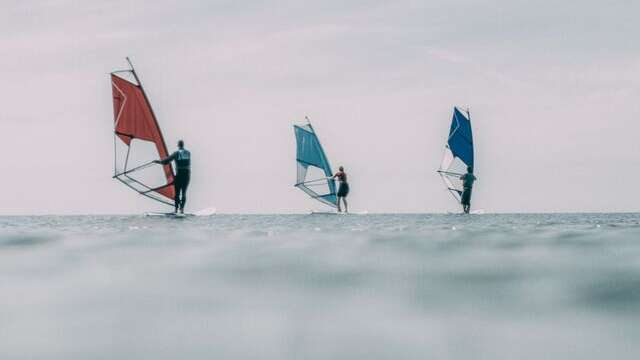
(309, 153)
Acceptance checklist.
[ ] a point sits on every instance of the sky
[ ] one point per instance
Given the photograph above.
(553, 89)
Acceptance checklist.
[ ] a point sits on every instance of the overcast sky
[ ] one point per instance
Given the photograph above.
(553, 87)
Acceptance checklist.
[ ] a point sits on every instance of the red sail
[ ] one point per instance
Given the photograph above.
(134, 119)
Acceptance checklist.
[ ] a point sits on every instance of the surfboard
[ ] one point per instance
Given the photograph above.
(472, 212)
(169, 215)
(324, 213)
(338, 213)
(210, 211)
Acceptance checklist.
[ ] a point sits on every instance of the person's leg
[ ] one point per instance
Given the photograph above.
(346, 207)
(179, 194)
(464, 200)
(183, 200)
(176, 188)
(338, 204)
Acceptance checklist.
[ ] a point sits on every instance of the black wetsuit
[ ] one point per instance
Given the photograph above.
(467, 185)
(343, 189)
(182, 157)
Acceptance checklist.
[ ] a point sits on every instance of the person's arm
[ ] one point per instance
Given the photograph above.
(167, 160)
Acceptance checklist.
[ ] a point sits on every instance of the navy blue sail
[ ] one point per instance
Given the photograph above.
(458, 153)
(314, 172)
(461, 138)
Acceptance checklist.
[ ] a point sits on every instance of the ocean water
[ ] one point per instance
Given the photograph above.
(321, 287)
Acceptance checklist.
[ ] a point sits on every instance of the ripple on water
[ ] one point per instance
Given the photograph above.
(24, 240)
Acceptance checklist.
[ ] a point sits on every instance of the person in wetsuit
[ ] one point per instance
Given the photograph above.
(467, 185)
(182, 157)
(343, 189)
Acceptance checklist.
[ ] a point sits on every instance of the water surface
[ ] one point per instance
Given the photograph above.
(321, 287)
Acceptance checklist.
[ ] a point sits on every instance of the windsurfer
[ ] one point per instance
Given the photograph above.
(343, 189)
(467, 185)
(182, 157)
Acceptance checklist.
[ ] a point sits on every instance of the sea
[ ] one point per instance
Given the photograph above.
(414, 286)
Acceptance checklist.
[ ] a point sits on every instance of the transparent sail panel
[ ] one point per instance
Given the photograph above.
(451, 170)
(136, 163)
(135, 168)
(128, 76)
(317, 181)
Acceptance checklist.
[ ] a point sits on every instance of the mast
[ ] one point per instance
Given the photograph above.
(310, 126)
(469, 116)
(146, 98)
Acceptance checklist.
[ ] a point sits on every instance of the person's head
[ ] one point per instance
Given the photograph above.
(180, 144)
(341, 168)
(469, 169)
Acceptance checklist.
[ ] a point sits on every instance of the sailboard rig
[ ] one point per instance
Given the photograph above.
(314, 175)
(458, 153)
(138, 140)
